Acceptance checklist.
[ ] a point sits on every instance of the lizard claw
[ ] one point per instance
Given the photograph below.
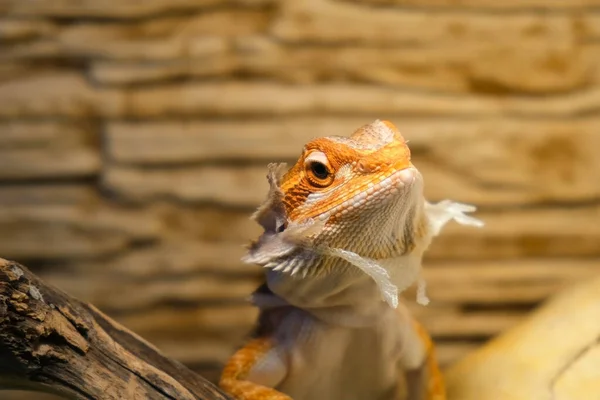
(441, 213)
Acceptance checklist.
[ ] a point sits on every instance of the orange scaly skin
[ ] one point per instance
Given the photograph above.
(344, 228)
(233, 379)
(436, 389)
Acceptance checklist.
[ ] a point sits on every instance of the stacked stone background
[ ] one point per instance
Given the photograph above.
(134, 138)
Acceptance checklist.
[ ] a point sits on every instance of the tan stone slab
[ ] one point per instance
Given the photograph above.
(508, 282)
(524, 5)
(339, 22)
(71, 231)
(32, 50)
(553, 354)
(135, 72)
(113, 8)
(210, 223)
(57, 95)
(47, 150)
(510, 271)
(43, 164)
(25, 29)
(259, 56)
(44, 195)
(502, 283)
(472, 324)
(536, 66)
(494, 293)
(13, 70)
(592, 24)
(246, 186)
(196, 36)
(176, 257)
(276, 99)
(549, 232)
(70, 95)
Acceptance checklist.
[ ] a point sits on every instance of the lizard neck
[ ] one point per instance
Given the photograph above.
(344, 295)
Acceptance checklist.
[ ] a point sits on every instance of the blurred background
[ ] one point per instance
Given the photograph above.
(134, 139)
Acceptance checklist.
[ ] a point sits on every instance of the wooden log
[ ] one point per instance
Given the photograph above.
(53, 343)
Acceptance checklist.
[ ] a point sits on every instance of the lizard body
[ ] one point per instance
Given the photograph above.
(345, 228)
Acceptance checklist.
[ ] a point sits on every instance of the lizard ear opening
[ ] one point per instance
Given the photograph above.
(318, 170)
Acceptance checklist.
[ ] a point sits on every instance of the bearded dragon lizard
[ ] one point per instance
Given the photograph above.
(344, 229)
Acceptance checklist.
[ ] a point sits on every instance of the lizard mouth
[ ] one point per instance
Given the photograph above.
(375, 191)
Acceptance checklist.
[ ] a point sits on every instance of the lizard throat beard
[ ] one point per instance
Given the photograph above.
(350, 265)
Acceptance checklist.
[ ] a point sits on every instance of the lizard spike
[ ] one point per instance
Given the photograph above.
(290, 266)
(275, 265)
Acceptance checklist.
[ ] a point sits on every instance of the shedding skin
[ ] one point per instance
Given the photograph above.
(345, 229)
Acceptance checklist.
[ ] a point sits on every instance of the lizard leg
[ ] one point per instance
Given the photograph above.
(255, 362)
(428, 377)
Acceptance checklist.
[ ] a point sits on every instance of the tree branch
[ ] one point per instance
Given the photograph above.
(53, 343)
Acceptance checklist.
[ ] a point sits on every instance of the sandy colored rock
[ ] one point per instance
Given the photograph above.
(555, 64)
(44, 195)
(245, 186)
(70, 95)
(554, 354)
(488, 4)
(197, 36)
(71, 231)
(339, 22)
(57, 95)
(538, 65)
(23, 29)
(548, 57)
(47, 150)
(487, 272)
(178, 257)
(222, 63)
(592, 24)
(114, 8)
(276, 99)
(502, 281)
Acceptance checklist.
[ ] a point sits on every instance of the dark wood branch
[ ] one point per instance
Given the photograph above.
(54, 343)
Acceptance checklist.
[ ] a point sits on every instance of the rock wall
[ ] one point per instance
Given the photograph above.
(134, 138)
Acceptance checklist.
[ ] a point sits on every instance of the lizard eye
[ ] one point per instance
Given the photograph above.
(317, 169)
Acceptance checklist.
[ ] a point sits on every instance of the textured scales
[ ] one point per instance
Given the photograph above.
(344, 229)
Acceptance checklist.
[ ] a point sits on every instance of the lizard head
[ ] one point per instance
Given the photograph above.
(353, 182)
(347, 202)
